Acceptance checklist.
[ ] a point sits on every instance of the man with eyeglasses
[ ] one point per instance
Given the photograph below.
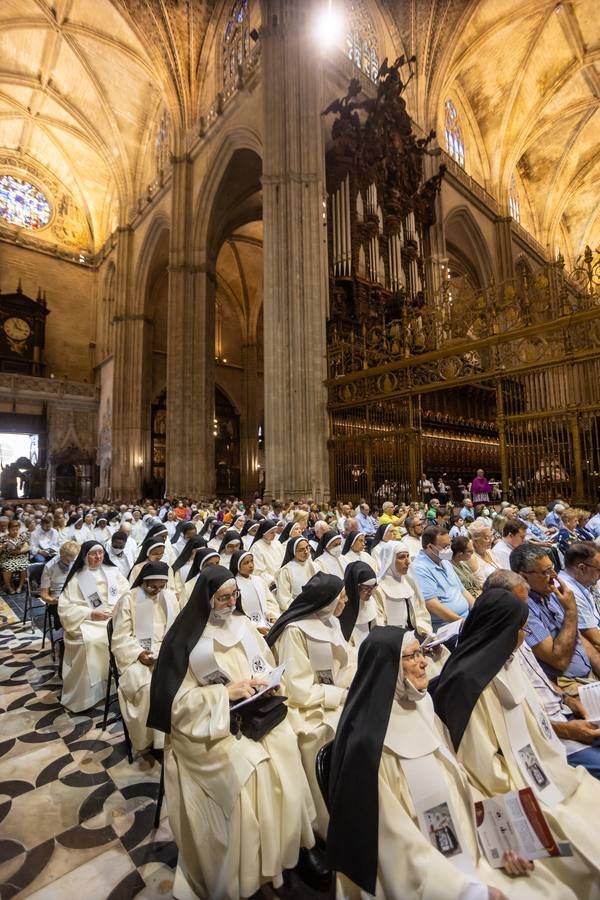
(582, 571)
(580, 737)
(553, 634)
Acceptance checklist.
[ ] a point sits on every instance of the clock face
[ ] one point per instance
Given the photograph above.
(17, 329)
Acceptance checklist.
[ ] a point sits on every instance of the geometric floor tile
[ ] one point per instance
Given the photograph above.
(76, 819)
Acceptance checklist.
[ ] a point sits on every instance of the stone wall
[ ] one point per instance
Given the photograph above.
(69, 290)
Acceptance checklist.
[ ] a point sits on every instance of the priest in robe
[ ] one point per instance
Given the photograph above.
(90, 593)
(296, 569)
(140, 621)
(256, 601)
(504, 739)
(319, 668)
(402, 824)
(240, 809)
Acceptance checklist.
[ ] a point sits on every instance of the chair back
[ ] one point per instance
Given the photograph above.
(34, 575)
(111, 657)
(322, 770)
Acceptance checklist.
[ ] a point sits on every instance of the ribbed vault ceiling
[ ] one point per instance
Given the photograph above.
(78, 98)
(528, 77)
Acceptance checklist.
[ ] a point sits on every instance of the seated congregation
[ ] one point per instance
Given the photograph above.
(291, 675)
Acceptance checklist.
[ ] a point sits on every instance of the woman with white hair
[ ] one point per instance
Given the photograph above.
(481, 563)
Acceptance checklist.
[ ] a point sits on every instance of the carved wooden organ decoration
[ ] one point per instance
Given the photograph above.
(379, 205)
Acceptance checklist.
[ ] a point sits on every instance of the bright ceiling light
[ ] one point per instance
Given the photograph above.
(330, 25)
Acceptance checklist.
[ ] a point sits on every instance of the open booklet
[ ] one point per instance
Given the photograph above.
(443, 634)
(273, 679)
(589, 694)
(515, 821)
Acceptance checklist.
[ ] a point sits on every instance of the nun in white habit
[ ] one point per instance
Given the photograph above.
(248, 532)
(400, 600)
(229, 545)
(152, 550)
(354, 550)
(141, 619)
(183, 564)
(217, 533)
(402, 825)
(360, 614)
(319, 668)
(202, 558)
(255, 600)
(328, 557)
(240, 809)
(91, 590)
(383, 535)
(296, 569)
(505, 741)
(266, 550)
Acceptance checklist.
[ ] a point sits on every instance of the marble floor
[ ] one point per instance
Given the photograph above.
(76, 819)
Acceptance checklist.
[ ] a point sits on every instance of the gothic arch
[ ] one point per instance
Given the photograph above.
(235, 141)
(147, 263)
(464, 238)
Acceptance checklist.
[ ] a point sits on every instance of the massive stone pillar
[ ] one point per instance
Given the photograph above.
(190, 469)
(128, 433)
(295, 258)
(249, 422)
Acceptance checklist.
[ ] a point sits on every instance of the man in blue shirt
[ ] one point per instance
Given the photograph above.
(552, 631)
(581, 574)
(593, 524)
(366, 523)
(445, 597)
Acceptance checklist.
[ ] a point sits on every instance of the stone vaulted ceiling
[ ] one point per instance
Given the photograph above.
(79, 98)
(526, 76)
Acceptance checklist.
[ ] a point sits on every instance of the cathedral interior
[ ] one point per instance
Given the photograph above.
(298, 248)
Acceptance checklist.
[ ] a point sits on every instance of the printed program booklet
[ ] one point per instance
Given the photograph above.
(516, 822)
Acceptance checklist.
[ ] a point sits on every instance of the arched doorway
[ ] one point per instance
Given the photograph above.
(227, 446)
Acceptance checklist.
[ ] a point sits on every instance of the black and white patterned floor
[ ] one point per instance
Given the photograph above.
(76, 819)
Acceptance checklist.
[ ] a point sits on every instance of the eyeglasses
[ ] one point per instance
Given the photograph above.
(412, 657)
(225, 598)
(590, 566)
(547, 573)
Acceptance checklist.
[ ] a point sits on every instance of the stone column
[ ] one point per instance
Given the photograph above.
(295, 257)
(506, 263)
(249, 422)
(128, 435)
(190, 469)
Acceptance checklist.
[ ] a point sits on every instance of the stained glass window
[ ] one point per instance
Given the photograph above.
(361, 42)
(514, 205)
(21, 203)
(454, 138)
(236, 42)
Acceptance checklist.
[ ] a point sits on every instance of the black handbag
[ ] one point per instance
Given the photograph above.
(256, 719)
